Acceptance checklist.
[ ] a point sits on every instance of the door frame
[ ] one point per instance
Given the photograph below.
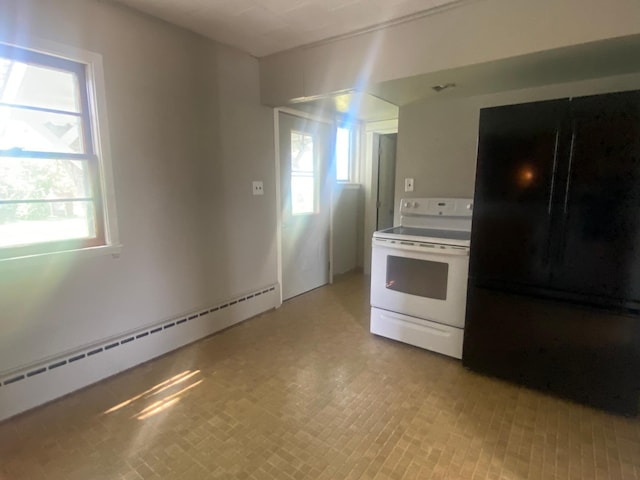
(370, 181)
(278, 205)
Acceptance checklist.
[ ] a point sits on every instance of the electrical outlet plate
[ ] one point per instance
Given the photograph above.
(258, 188)
(408, 184)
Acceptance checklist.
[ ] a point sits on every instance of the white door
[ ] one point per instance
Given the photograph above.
(305, 202)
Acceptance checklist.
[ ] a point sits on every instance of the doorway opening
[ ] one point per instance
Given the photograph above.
(380, 141)
(359, 192)
(386, 180)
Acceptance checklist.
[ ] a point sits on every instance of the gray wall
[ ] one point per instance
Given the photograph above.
(346, 227)
(437, 140)
(187, 136)
(240, 238)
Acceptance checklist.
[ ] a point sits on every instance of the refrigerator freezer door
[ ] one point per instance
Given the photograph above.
(518, 158)
(598, 252)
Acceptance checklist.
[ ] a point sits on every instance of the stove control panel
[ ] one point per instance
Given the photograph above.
(446, 207)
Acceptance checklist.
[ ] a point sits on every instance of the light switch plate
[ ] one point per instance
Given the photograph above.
(258, 188)
(408, 184)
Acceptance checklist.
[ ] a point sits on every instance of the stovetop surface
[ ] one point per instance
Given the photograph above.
(426, 233)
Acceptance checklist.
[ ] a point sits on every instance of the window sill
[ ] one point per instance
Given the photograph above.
(89, 252)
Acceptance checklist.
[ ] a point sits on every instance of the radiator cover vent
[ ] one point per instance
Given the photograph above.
(95, 349)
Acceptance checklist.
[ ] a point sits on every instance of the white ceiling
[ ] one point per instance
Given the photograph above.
(606, 58)
(263, 27)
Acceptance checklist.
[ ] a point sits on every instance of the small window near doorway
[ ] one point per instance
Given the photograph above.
(303, 174)
(343, 154)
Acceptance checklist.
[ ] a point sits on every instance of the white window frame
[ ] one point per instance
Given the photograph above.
(354, 135)
(100, 135)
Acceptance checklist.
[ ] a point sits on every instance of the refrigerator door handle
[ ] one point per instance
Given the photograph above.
(567, 192)
(553, 172)
(547, 251)
(568, 187)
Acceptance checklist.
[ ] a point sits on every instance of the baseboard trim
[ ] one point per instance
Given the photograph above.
(28, 387)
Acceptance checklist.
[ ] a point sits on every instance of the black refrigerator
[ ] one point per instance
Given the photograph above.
(554, 280)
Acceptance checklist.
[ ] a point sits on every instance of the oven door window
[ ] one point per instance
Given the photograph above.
(424, 278)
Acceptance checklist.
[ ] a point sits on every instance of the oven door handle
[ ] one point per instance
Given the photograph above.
(421, 247)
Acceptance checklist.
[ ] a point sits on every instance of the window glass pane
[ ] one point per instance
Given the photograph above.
(303, 167)
(40, 131)
(45, 196)
(343, 150)
(28, 223)
(31, 179)
(302, 194)
(302, 153)
(35, 86)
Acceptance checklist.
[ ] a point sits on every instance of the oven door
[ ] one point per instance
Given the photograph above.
(419, 279)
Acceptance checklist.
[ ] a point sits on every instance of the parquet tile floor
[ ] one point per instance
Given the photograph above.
(306, 392)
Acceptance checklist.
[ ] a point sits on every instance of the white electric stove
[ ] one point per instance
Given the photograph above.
(419, 274)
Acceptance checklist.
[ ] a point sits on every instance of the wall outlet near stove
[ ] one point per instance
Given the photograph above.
(258, 188)
(408, 184)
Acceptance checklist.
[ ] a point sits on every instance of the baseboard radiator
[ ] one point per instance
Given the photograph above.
(39, 383)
